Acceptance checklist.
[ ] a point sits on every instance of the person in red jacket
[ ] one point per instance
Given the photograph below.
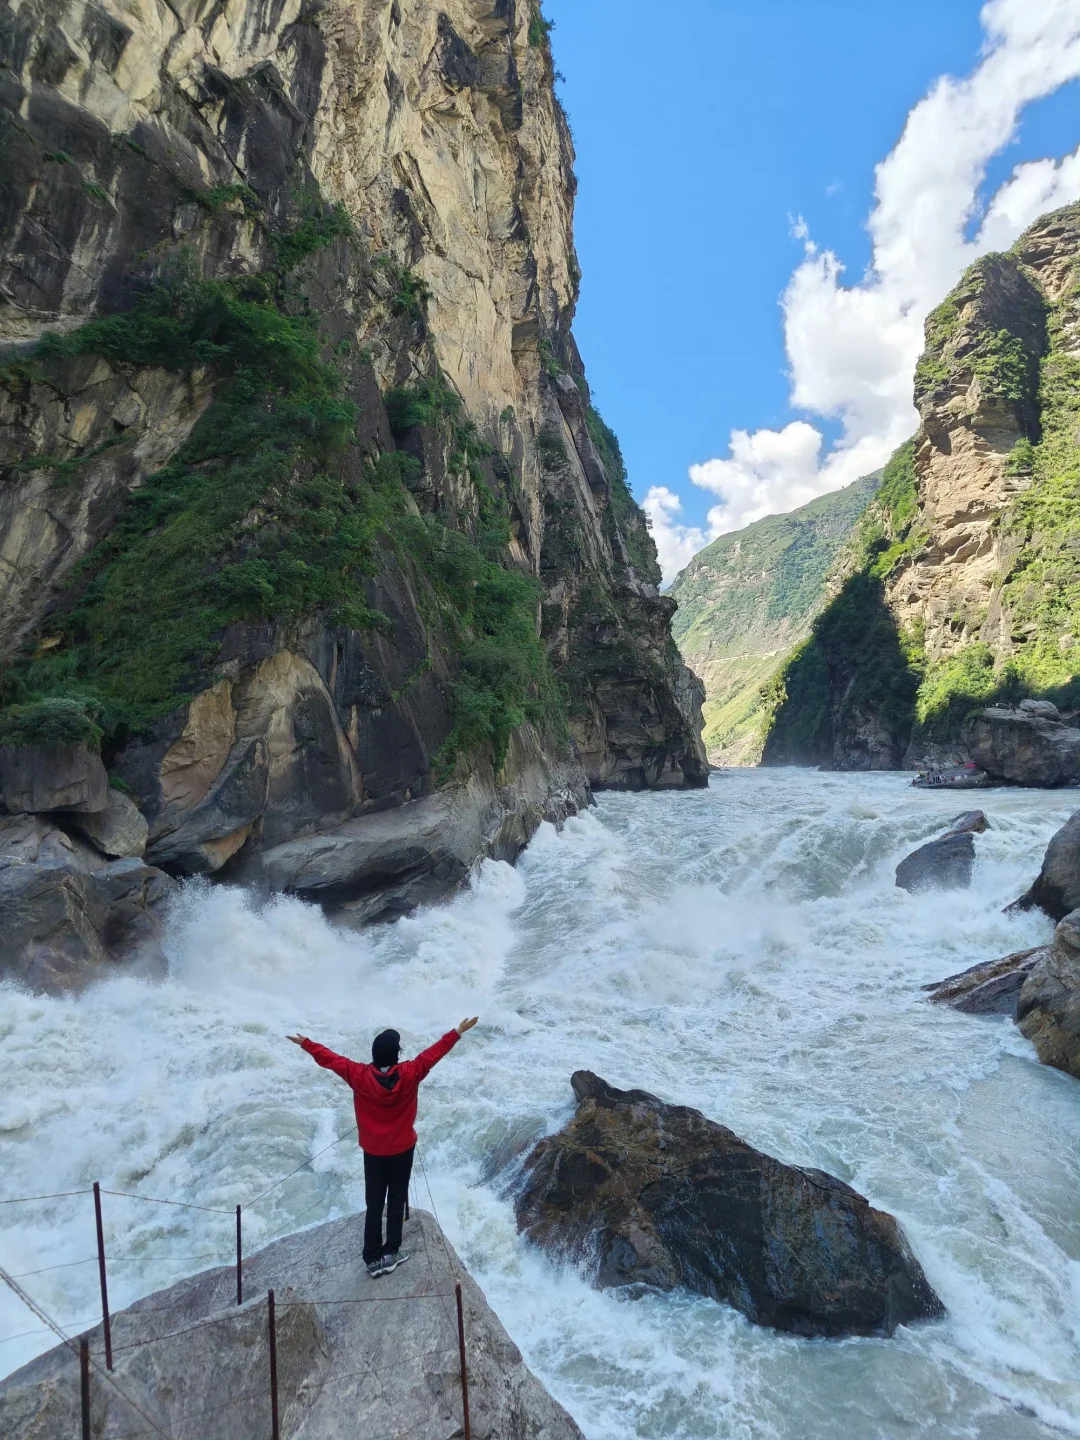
(384, 1098)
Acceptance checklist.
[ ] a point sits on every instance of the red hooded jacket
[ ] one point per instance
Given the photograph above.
(385, 1104)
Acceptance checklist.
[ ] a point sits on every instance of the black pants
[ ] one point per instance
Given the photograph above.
(386, 1182)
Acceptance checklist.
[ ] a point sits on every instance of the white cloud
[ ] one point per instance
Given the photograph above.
(759, 464)
(852, 348)
(676, 543)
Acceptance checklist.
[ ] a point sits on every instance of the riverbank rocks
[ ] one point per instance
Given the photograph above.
(1028, 745)
(68, 916)
(645, 1192)
(366, 1371)
(118, 831)
(1048, 1008)
(1056, 889)
(1038, 988)
(35, 779)
(945, 863)
(381, 865)
(989, 988)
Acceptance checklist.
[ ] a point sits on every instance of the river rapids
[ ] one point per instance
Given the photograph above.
(743, 950)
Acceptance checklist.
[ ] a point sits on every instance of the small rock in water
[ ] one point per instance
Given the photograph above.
(990, 988)
(943, 864)
(972, 822)
(656, 1194)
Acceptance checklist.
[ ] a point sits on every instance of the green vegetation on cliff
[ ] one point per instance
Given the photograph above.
(747, 599)
(624, 508)
(1038, 376)
(268, 512)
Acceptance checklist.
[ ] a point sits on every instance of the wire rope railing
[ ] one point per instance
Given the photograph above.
(89, 1365)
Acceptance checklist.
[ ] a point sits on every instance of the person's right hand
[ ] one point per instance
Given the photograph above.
(467, 1024)
(296, 1039)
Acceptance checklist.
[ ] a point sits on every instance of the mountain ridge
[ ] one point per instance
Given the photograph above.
(747, 599)
(964, 587)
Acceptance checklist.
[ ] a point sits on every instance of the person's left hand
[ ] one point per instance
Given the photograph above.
(467, 1024)
(296, 1039)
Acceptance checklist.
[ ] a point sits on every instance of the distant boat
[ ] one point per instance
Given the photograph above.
(952, 777)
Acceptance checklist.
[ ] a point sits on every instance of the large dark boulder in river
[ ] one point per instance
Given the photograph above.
(1028, 745)
(1057, 887)
(650, 1193)
(1048, 1009)
(990, 988)
(945, 863)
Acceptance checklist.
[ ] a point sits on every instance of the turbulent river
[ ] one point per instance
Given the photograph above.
(743, 950)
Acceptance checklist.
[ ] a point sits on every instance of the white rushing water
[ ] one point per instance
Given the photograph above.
(743, 950)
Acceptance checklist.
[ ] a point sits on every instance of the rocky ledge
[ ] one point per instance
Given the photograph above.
(1027, 744)
(1039, 989)
(1056, 888)
(68, 913)
(198, 1366)
(654, 1194)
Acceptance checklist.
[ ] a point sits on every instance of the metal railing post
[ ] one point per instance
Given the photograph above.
(84, 1384)
(106, 1325)
(464, 1371)
(239, 1261)
(274, 1431)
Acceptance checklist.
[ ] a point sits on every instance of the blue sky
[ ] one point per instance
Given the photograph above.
(702, 130)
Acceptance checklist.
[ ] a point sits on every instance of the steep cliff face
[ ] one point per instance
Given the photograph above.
(747, 599)
(963, 587)
(304, 503)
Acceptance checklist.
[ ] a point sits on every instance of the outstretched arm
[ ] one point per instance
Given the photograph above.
(427, 1059)
(328, 1059)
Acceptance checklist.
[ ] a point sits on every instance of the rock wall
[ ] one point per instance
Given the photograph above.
(968, 574)
(391, 186)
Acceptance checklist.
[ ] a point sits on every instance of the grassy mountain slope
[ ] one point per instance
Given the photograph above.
(747, 599)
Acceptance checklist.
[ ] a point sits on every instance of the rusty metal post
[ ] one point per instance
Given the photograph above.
(84, 1379)
(239, 1261)
(464, 1371)
(106, 1325)
(274, 1431)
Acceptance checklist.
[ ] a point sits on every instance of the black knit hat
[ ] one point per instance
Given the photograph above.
(385, 1049)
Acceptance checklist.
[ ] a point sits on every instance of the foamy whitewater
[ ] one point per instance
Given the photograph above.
(743, 950)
